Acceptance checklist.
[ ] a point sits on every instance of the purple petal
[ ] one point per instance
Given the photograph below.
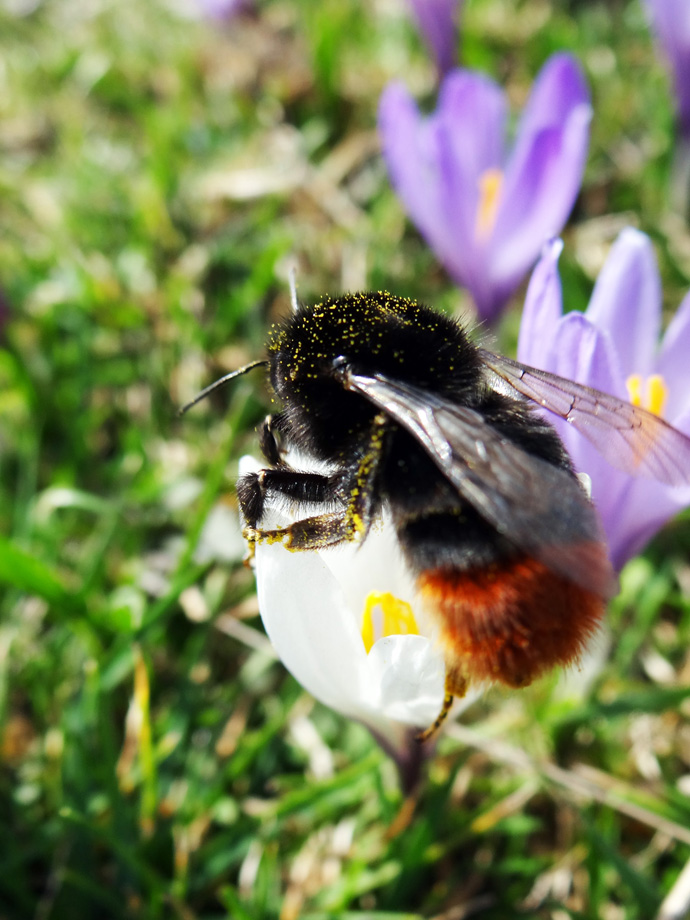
(411, 159)
(671, 21)
(435, 165)
(626, 301)
(471, 119)
(472, 115)
(542, 311)
(637, 514)
(223, 9)
(538, 199)
(469, 132)
(474, 111)
(609, 490)
(672, 362)
(544, 172)
(559, 89)
(438, 22)
(584, 353)
(682, 423)
(568, 346)
(632, 510)
(587, 354)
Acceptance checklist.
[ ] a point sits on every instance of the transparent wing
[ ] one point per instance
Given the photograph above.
(537, 506)
(627, 436)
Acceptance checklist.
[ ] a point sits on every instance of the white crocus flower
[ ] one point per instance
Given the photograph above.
(346, 623)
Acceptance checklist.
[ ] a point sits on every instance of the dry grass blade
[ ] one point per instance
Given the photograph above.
(595, 786)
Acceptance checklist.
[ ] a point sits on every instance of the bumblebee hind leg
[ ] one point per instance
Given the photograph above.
(455, 686)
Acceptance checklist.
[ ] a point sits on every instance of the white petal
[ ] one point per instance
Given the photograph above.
(221, 536)
(375, 565)
(306, 618)
(406, 675)
(311, 605)
(248, 464)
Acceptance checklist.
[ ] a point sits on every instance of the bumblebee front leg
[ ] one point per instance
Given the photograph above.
(268, 441)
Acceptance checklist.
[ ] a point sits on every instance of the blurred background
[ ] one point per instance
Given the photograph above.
(162, 164)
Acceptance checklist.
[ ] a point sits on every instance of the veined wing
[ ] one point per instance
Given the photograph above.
(628, 437)
(539, 507)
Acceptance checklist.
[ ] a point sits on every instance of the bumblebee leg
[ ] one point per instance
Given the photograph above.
(456, 686)
(439, 720)
(361, 488)
(268, 442)
(315, 532)
(356, 494)
(254, 490)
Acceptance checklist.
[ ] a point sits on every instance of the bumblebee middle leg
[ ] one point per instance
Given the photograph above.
(315, 532)
(355, 495)
(347, 523)
(255, 490)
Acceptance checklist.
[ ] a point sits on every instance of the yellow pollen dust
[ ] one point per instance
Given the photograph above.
(490, 185)
(397, 618)
(652, 396)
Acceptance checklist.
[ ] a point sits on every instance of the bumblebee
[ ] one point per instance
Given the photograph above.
(404, 412)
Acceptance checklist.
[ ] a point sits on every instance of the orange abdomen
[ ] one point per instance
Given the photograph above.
(509, 622)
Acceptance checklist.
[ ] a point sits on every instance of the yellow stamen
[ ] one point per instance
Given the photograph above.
(397, 618)
(657, 394)
(634, 385)
(490, 185)
(652, 396)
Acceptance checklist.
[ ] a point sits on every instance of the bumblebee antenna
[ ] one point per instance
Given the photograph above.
(219, 383)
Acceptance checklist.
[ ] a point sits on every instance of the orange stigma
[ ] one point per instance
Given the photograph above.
(490, 185)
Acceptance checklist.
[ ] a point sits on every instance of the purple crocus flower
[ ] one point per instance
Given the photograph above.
(614, 346)
(671, 21)
(486, 214)
(437, 20)
(223, 10)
